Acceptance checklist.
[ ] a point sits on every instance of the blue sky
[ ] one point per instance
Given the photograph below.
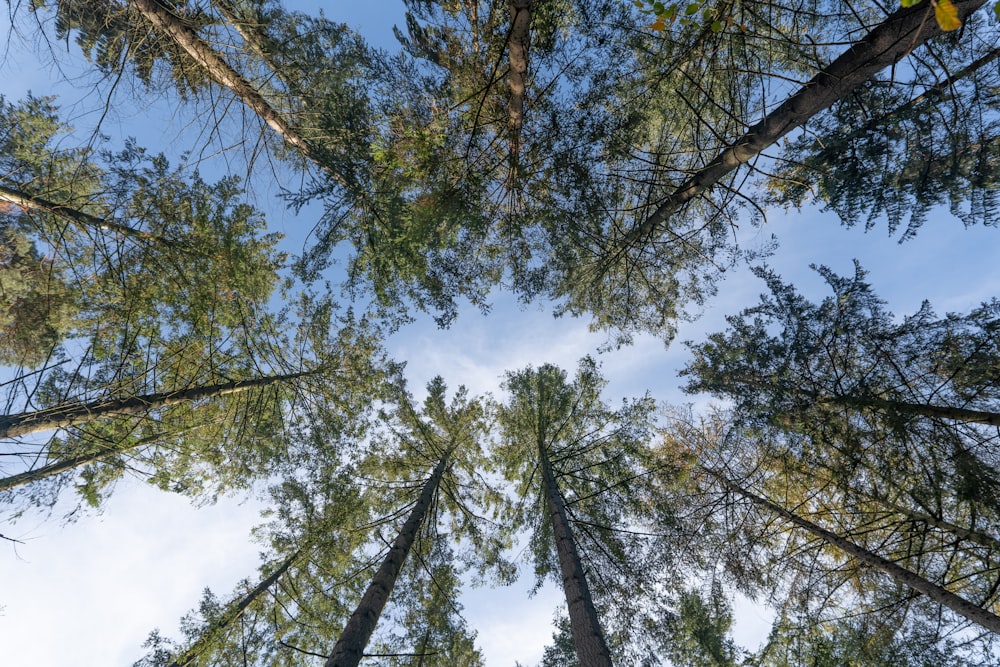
(88, 593)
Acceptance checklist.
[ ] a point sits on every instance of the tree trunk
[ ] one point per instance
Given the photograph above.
(221, 72)
(938, 91)
(906, 577)
(78, 218)
(61, 466)
(232, 612)
(919, 409)
(63, 416)
(893, 39)
(588, 637)
(517, 46)
(349, 649)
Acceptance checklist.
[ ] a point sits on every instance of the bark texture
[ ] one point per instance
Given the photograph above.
(588, 636)
(517, 46)
(893, 39)
(349, 649)
(906, 577)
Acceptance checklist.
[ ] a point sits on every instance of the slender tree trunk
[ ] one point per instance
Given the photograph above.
(63, 465)
(349, 649)
(591, 646)
(221, 72)
(906, 577)
(902, 32)
(918, 409)
(232, 612)
(63, 416)
(78, 218)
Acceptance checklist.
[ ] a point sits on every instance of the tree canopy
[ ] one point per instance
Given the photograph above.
(215, 310)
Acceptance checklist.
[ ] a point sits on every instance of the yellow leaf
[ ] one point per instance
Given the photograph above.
(659, 24)
(946, 14)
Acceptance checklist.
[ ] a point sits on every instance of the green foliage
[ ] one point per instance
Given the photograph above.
(895, 153)
(699, 633)
(798, 639)
(36, 306)
(113, 35)
(599, 462)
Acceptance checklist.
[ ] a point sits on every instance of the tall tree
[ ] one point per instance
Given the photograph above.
(414, 474)
(838, 547)
(350, 646)
(450, 435)
(939, 594)
(863, 388)
(629, 143)
(576, 464)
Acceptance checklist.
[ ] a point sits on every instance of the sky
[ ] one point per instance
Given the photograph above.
(88, 592)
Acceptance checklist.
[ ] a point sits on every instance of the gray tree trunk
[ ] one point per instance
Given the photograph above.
(588, 636)
(221, 72)
(906, 577)
(893, 39)
(517, 47)
(349, 649)
(63, 416)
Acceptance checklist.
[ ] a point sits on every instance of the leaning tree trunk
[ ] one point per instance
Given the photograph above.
(906, 577)
(917, 409)
(888, 43)
(231, 613)
(588, 637)
(94, 456)
(63, 416)
(349, 649)
(221, 72)
(80, 219)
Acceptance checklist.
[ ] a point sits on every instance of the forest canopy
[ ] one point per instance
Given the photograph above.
(233, 303)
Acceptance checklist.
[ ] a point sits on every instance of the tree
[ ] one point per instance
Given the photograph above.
(199, 440)
(833, 562)
(576, 464)
(411, 466)
(35, 304)
(616, 195)
(896, 152)
(699, 635)
(902, 398)
(350, 646)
